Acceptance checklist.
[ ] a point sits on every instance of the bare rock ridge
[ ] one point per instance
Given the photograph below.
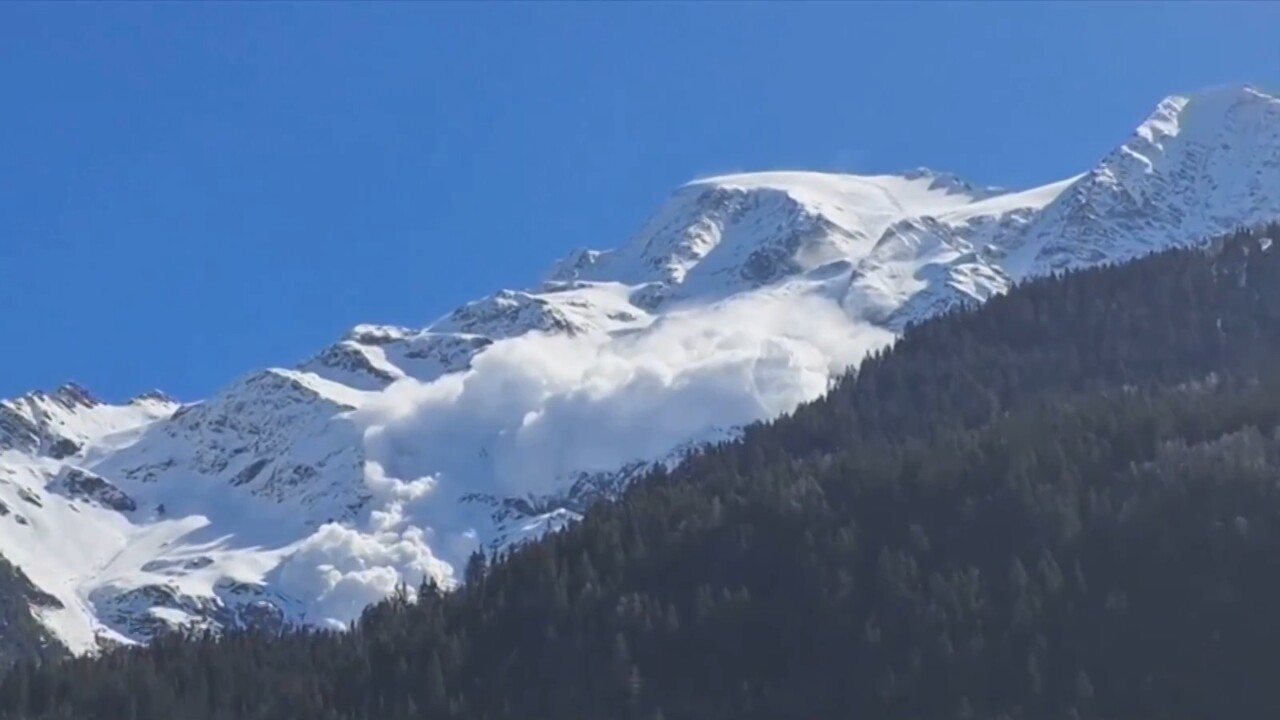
(300, 495)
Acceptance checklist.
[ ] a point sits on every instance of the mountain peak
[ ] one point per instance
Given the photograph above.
(72, 395)
(1227, 95)
(1204, 112)
(154, 396)
(1200, 165)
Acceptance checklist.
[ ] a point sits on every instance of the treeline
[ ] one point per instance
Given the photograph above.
(1063, 504)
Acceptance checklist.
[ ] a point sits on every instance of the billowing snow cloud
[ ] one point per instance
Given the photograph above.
(537, 409)
(338, 571)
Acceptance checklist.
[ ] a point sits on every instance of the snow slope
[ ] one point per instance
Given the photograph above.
(303, 494)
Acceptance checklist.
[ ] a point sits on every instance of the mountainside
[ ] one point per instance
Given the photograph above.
(303, 495)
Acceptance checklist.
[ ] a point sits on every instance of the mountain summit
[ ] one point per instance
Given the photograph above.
(301, 495)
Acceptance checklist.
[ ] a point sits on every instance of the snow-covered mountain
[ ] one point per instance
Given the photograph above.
(301, 495)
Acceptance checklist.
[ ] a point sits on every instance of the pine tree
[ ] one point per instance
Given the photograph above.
(436, 692)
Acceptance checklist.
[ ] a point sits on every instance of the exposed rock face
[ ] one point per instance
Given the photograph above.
(83, 485)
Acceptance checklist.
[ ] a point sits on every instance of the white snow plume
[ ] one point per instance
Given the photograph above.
(537, 408)
(340, 570)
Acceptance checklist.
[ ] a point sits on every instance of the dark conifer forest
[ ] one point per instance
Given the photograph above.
(1063, 504)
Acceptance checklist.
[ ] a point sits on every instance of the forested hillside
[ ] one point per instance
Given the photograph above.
(1065, 503)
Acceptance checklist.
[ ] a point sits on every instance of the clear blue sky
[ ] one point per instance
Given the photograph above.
(192, 191)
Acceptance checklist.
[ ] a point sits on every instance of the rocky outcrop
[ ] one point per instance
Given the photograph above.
(80, 484)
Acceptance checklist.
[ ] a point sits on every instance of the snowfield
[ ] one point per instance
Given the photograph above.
(301, 495)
